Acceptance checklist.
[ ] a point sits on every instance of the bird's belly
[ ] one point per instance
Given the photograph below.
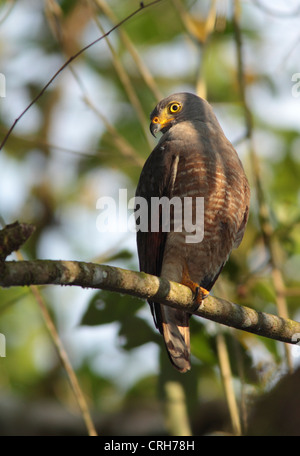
(209, 222)
(201, 260)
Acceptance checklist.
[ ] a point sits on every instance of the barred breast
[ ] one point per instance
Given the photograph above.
(209, 173)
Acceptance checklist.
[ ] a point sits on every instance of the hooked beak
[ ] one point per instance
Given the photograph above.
(155, 128)
(158, 124)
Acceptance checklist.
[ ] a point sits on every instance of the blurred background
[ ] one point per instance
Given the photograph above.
(87, 137)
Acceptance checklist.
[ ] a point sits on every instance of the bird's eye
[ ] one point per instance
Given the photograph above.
(174, 107)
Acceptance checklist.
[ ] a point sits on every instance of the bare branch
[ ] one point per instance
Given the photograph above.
(13, 236)
(145, 286)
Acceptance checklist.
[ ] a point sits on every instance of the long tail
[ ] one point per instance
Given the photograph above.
(176, 333)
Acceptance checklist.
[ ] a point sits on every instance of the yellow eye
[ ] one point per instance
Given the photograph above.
(174, 108)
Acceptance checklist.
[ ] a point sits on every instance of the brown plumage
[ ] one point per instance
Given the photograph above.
(192, 159)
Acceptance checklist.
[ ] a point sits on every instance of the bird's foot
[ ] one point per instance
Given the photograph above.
(199, 293)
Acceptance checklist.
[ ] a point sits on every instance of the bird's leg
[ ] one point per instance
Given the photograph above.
(200, 293)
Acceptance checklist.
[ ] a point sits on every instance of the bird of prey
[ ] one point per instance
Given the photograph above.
(193, 161)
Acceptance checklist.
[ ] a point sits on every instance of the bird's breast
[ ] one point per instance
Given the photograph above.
(209, 186)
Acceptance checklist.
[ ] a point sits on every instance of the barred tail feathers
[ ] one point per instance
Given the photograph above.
(176, 333)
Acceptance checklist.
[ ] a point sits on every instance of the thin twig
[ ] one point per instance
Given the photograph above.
(145, 73)
(264, 216)
(177, 420)
(9, 10)
(124, 147)
(128, 86)
(63, 357)
(228, 383)
(226, 371)
(65, 362)
(71, 59)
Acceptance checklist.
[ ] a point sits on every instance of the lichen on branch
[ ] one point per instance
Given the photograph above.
(146, 286)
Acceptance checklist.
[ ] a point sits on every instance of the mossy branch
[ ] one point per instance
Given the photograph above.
(145, 286)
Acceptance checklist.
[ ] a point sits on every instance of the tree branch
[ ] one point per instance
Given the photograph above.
(145, 286)
(13, 236)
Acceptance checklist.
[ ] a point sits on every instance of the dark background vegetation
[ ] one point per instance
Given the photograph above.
(87, 137)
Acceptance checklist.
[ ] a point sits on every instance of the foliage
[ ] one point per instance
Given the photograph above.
(87, 137)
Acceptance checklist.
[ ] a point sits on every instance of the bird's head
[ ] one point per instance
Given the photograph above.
(177, 108)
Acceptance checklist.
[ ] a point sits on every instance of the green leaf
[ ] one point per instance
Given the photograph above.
(136, 332)
(202, 344)
(108, 307)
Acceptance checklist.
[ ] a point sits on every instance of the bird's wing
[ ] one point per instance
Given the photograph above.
(242, 227)
(156, 180)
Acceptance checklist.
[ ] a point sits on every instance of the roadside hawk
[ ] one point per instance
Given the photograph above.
(192, 162)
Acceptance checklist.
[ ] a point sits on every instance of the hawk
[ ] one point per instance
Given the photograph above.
(193, 161)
